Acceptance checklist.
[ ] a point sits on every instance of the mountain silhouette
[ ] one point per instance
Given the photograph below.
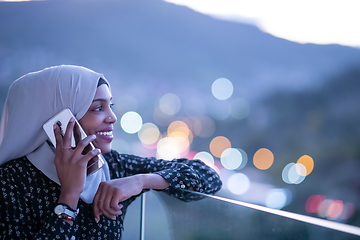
(159, 42)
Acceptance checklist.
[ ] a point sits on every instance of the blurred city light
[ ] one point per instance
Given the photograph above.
(294, 173)
(149, 133)
(218, 145)
(328, 208)
(263, 159)
(170, 104)
(313, 202)
(307, 162)
(335, 209)
(276, 198)
(231, 158)
(168, 149)
(206, 158)
(238, 183)
(222, 88)
(180, 132)
(131, 122)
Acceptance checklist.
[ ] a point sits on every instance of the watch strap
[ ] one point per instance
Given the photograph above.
(65, 209)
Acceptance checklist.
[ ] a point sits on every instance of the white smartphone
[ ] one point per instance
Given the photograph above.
(62, 119)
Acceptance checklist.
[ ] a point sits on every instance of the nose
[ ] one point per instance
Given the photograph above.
(111, 118)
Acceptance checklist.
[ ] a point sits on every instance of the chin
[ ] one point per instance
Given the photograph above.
(104, 148)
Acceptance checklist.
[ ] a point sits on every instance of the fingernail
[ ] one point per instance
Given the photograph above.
(97, 219)
(72, 119)
(55, 126)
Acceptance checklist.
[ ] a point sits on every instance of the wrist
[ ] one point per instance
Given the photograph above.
(153, 181)
(69, 199)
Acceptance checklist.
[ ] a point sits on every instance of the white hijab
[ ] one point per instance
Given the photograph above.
(32, 100)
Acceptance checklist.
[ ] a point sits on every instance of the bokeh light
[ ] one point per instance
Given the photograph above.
(218, 145)
(231, 158)
(131, 122)
(149, 133)
(329, 208)
(263, 159)
(276, 198)
(204, 127)
(335, 209)
(168, 149)
(323, 209)
(239, 108)
(222, 88)
(170, 104)
(307, 162)
(294, 173)
(313, 202)
(206, 157)
(180, 132)
(244, 158)
(238, 183)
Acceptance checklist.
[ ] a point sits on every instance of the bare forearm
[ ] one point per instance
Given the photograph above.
(153, 181)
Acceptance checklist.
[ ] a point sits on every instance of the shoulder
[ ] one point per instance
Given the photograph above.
(17, 173)
(16, 166)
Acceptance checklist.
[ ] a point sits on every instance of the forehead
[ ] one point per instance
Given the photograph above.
(102, 92)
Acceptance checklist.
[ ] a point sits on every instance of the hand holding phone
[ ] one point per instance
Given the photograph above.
(62, 120)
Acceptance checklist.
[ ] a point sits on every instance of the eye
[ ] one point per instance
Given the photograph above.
(112, 105)
(98, 108)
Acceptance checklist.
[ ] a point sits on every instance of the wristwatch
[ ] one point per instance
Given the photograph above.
(64, 209)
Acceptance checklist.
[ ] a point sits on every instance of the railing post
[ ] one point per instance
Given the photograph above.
(142, 217)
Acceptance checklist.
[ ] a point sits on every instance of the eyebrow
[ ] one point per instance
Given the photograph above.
(101, 99)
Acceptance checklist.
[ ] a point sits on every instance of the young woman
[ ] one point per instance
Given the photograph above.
(46, 193)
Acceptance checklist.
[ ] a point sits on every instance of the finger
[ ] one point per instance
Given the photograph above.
(68, 133)
(84, 144)
(103, 201)
(99, 200)
(110, 210)
(77, 133)
(58, 138)
(96, 199)
(105, 204)
(114, 204)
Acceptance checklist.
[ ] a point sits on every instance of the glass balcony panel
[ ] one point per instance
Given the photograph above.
(170, 218)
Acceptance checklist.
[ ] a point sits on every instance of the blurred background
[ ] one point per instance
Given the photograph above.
(266, 94)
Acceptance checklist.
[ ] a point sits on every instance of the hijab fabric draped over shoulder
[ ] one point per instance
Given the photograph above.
(35, 98)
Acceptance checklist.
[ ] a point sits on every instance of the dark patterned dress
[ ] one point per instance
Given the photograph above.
(28, 197)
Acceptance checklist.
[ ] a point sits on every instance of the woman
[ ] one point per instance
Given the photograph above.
(46, 193)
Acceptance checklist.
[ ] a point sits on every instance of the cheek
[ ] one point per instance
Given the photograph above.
(86, 126)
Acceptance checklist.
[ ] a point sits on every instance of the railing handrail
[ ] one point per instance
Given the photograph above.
(346, 228)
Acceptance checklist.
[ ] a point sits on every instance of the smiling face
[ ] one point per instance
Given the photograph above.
(100, 119)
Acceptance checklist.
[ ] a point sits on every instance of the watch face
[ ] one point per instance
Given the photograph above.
(59, 209)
